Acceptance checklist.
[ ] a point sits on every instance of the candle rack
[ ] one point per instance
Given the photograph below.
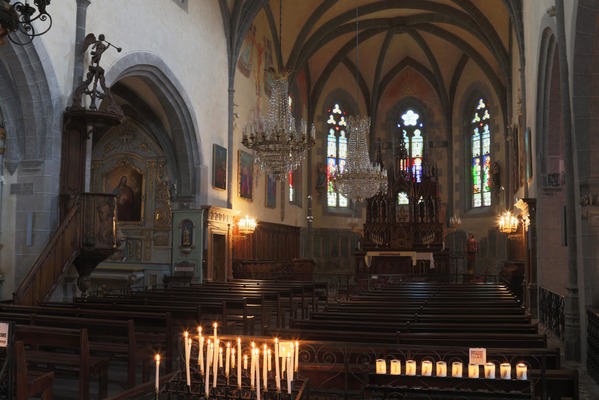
(178, 389)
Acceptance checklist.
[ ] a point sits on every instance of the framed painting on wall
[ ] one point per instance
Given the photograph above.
(219, 167)
(246, 171)
(126, 183)
(271, 192)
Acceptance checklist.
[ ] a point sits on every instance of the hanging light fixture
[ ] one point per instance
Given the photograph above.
(507, 222)
(278, 145)
(359, 179)
(20, 16)
(247, 225)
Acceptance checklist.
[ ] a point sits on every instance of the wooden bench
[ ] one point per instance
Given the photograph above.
(483, 339)
(31, 383)
(66, 352)
(430, 318)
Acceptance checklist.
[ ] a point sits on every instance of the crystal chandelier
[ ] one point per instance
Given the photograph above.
(508, 223)
(278, 146)
(247, 225)
(359, 179)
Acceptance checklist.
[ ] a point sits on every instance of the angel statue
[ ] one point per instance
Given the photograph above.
(95, 75)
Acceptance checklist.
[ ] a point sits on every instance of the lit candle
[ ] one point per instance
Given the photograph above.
(265, 367)
(220, 357)
(473, 370)
(187, 343)
(456, 369)
(200, 349)
(245, 361)
(228, 360)
(269, 360)
(441, 368)
(395, 367)
(239, 362)
(411, 367)
(215, 354)
(505, 370)
(381, 366)
(201, 355)
(490, 370)
(157, 383)
(257, 366)
(207, 382)
(289, 373)
(426, 368)
(283, 360)
(521, 371)
(296, 352)
(252, 366)
(277, 373)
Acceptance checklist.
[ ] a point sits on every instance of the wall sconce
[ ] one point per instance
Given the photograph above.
(454, 223)
(507, 222)
(19, 16)
(246, 225)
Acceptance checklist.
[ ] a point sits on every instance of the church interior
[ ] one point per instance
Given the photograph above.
(371, 173)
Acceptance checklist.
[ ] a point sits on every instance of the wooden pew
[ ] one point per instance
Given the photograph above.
(64, 351)
(485, 339)
(380, 307)
(107, 337)
(31, 383)
(430, 318)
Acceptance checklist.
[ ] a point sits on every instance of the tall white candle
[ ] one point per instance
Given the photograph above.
(296, 356)
(252, 367)
(239, 362)
(265, 367)
(157, 382)
(215, 353)
(245, 361)
(269, 360)
(201, 355)
(220, 357)
(187, 345)
(227, 360)
(289, 373)
(257, 366)
(277, 373)
(208, 354)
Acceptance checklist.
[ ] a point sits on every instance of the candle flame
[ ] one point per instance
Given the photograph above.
(157, 357)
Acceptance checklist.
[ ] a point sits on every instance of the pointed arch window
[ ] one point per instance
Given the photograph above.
(336, 152)
(480, 144)
(411, 128)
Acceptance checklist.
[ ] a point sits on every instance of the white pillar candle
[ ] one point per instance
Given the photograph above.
(215, 364)
(456, 369)
(289, 372)
(441, 368)
(187, 346)
(283, 353)
(227, 360)
(200, 349)
(296, 352)
(157, 382)
(521, 371)
(426, 368)
(473, 370)
(265, 367)
(207, 381)
(505, 371)
(257, 366)
(252, 366)
(490, 370)
(381, 366)
(277, 373)
(269, 360)
(395, 367)
(411, 367)
(239, 362)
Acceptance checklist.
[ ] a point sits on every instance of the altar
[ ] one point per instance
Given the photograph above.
(399, 262)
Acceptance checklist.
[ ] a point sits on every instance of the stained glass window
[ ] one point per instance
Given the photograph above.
(336, 152)
(411, 129)
(481, 155)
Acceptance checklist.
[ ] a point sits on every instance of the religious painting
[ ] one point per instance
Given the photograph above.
(219, 167)
(246, 172)
(126, 183)
(246, 55)
(271, 191)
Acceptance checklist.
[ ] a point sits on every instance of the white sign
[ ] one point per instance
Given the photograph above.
(3, 334)
(478, 356)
